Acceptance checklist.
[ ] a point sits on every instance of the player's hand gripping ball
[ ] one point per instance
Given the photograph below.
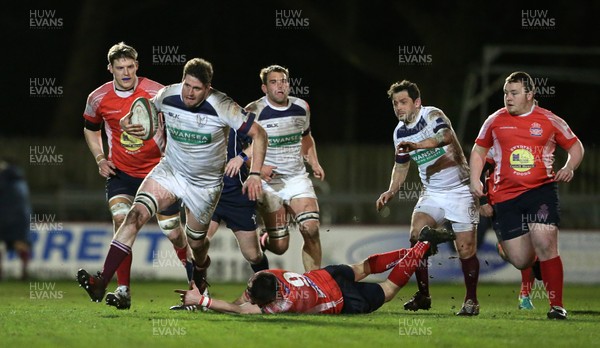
(144, 113)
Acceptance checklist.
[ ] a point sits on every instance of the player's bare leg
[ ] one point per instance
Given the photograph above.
(276, 235)
(151, 197)
(196, 234)
(421, 299)
(307, 217)
(466, 246)
(250, 247)
(170, 225)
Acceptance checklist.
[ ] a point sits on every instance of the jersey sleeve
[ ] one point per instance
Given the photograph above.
(565, 137)
(484, 138)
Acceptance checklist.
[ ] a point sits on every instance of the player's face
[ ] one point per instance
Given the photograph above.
(404, 107)
(124, 72)
(516, 100)
(194, 91)
(277, 88)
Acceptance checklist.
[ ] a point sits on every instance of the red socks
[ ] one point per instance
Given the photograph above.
(181, 254)
(379, 263)
(552, 275)
(124, 271)
(408, 264)
(526, 281)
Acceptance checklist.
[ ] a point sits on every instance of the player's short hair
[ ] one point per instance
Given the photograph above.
(121, 50)
(410, 87)
(263, 289)
(200, 69)
(264, 72)
(523, 78)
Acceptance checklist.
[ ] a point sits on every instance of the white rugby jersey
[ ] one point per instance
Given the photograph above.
(285, 127)
(440, 168)
(197, 138)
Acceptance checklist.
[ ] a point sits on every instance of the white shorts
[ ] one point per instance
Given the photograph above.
(457, 206)
(201, 201)
(282, 189)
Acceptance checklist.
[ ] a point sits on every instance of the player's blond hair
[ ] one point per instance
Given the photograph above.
(121, 50)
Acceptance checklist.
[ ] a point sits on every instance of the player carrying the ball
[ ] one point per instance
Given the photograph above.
(129, 159)
(197, 120)
(425, 134)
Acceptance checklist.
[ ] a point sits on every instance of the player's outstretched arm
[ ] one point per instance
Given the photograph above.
(399, 174)
(194, 297)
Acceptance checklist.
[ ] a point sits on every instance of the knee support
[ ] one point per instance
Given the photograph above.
(168, 225)
(193, 234)
(306, 216)
(121, 206)
(147, 200)
(278, 232)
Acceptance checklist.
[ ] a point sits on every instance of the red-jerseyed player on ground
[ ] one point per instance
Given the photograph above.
(129, 159)
(524, 137)
(330, 290)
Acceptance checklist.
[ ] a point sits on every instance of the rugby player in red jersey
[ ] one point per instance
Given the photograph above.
(524, 184)
(330, 290)
(129, 159)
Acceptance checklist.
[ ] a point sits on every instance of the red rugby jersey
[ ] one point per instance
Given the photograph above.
(523, 149)
(311, 292)
(131, 155)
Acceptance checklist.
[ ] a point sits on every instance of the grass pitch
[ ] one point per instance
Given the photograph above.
(59, 314)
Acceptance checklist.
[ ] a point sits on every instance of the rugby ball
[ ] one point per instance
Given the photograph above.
(144, 113)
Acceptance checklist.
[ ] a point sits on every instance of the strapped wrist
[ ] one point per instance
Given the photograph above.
(243, 156)
(102, 158)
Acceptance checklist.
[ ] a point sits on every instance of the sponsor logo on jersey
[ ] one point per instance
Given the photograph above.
(425, 156)
(189, 137)
(536, 130)
(521, 160)
(130, 143)
(283, 140)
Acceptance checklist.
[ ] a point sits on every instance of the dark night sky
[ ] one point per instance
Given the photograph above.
(343, 55)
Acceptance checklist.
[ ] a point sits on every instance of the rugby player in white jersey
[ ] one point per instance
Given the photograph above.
(425, 134)
(286, 185)
(197, 119)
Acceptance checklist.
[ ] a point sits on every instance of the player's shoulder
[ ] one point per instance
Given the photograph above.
(497, 116)
(148, 85)
(300, 102)
(99, 93)
(256, 105)
(432, 113)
